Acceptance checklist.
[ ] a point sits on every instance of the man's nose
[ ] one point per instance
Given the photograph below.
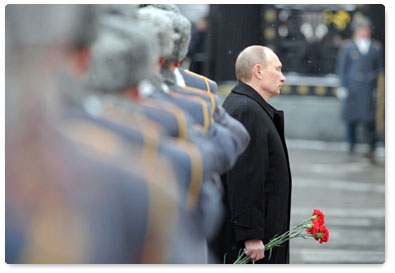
(282, 78)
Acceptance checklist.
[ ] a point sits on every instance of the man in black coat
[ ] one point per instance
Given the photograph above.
(258, 188)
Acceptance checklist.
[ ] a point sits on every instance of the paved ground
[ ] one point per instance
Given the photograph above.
(351, 193)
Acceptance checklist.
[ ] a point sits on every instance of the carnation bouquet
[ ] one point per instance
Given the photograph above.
(312, 227)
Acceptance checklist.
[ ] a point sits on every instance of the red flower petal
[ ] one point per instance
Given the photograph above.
(320, 216)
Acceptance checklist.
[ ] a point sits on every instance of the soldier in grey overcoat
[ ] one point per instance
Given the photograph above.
(358, 68)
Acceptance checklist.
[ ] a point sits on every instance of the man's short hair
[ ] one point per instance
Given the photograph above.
(246, 60)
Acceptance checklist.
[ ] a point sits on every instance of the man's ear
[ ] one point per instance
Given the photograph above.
(257, 71)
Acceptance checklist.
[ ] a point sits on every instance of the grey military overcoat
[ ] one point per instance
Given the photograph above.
(358, 73)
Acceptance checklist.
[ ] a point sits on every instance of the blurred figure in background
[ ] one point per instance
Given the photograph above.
(360, 68)
(196, 57)
(190, 67)
(197, 49)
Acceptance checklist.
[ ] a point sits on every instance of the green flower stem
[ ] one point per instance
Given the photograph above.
(295, 232)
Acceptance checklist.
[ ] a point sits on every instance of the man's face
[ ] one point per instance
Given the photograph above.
(363, 32)
(272, 76)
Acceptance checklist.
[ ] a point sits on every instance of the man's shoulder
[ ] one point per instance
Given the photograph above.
(240, 94)
(236, 102)
(239, 104)
(377, 45)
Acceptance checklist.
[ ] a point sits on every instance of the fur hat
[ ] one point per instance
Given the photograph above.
(161, 25)
(129, 10)
(122, 56)
(47, 25)
(359, 20)
(182, 29)
(167, 7)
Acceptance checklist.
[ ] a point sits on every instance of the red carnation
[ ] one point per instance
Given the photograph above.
(314, 228)
(322, 235)
(320, 217)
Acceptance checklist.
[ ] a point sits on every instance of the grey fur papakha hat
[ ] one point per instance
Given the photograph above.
(167, 7)
(124, 54)
(127, 10)
(360, 20)
(161, 25)
(39, 26)
(182, 29)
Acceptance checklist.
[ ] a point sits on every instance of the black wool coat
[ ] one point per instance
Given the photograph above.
(258, 188)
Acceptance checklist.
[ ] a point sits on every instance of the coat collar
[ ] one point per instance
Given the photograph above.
(355, 45)
(245, 89)
(276, 115)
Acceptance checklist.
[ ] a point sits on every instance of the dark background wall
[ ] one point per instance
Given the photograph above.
(231, 28)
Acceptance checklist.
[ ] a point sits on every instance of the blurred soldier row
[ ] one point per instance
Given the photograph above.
(113, 151)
